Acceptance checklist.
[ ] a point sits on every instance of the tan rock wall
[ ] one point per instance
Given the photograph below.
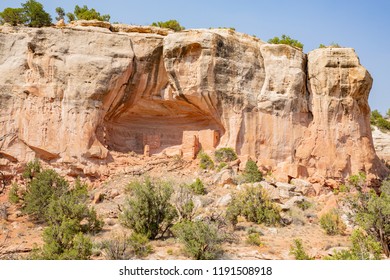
(74, 94)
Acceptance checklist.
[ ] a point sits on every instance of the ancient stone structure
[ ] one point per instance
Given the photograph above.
(73, 94)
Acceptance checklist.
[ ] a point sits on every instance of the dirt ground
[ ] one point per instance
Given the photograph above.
(18, 234)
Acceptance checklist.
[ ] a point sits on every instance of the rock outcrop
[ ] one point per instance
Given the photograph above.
(382, 144)
(73, 94)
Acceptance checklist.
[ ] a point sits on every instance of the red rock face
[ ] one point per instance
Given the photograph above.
(73, 95)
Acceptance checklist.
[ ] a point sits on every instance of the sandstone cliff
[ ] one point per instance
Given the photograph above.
(382, 144)
(73, 95)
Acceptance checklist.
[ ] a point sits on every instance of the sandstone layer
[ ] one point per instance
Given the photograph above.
(382, 144)
(72, 95)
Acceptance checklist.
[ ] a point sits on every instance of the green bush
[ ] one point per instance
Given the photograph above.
(205, 161)
(13, 195)
(255, 205)
(170, 24)
(13, 16)
(358, 181)
(378, 120)
(287, 41)
(303, 204)
(72, 205)
(225, 155)
(332, 223)
(139, 245)
(298, 251)
(31, 13)
(221, 165)
(35, 14)
(49, 198)
(41, 190)
(148, 210)
(364, 247)
(32, 169)
(198, 187)
(84, 13)
(202, 240)
(254, 239)
(372, 213)
(64, 242)
(251, 172)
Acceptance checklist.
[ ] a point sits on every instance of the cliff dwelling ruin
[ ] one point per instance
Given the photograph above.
(160, 127)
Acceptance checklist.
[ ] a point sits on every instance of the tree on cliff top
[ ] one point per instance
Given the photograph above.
(61, 13)
(86, 14)
(287, 40)
(13, 16)
(31, 13)
(36, 15)
(171, 24)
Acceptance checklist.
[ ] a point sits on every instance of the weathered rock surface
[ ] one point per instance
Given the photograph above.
(382, 144)
(75, 94)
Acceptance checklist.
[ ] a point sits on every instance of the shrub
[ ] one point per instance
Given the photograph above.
(41, 190)
(84, 13)
(32, 169)
(139, 245)
(183, 202)
(205, 161)
(149, 211)
(221, 165)
(332, 45)
(332, 223)
(13, 195)
(378, 120)
(251, 172)
(358, 180)
(255, 205)
(287, 41)
(124, 248)
(303, 204)
(48, 198)
(198, 187)
(116, 248)
(170, 24)
(298, 251)
(64, 242)
(202, 240)
(13, 16)
(225, 155)
(35, 14)
(363, 248)
(254, 239)
(372, 213)
(71, 205)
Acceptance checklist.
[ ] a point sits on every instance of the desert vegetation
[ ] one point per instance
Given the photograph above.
(170, 24)
(286, 40)
(379, 121)
(48, 198)
(187, 218)
(31, 14)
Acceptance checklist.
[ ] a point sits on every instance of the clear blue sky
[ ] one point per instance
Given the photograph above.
(361, 24)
